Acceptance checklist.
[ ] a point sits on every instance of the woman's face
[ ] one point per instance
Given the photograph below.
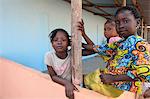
(110, 30)
(126, 23)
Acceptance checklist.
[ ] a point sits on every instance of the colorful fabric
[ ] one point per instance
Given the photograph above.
(114, 39)
(92, 81)
(129, 56)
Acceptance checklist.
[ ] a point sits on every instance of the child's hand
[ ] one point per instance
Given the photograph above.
(146, 93)
(81, 27)
(69, 88)
(106, 78)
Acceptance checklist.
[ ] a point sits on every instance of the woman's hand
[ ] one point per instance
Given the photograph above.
(107, 78)
(69, 88)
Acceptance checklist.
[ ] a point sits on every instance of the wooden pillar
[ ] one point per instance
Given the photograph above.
(145, 32)
(142, 27)
(124, 3)
(76, 60)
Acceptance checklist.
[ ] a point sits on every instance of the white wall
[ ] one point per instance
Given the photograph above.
(25, 25)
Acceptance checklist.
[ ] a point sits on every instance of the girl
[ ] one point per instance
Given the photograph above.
(130, 64)
(58, 62)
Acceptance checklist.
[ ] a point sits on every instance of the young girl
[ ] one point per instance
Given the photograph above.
(58, 62)
(130, 64)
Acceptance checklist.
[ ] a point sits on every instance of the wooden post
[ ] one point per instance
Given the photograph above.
(124, 3)
(145, 32)
(76, 61)
(142, 27)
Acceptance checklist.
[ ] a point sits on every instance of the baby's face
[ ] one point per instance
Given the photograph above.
(110, 30)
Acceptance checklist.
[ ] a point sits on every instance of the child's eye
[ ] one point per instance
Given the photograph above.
(125, 21)
(64, 39)
(108, 29)
(117, 22)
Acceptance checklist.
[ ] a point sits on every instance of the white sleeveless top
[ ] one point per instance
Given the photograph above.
(62, 67)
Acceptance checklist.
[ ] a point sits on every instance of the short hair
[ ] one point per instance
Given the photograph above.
(111, 21)
(54, 32)
(129, 8)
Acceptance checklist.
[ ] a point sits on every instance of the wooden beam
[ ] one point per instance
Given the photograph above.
(87, 5)
(142, 27)
(89, 10)
(96, 7)
(117, 2)
(76, 60)
(94, 13)
(108, 6)
(102, 14)
(145, 32)
(148, 27)
(124, 3)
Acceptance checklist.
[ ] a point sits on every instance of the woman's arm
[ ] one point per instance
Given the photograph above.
(122, 77)
(108, 78)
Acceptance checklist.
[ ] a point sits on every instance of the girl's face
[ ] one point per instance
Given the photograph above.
(126, 23)
(110, 30)
(60, 42)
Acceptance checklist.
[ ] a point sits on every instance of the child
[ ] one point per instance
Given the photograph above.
(130, 64)
(92, 80)
(110, 31)
(58, 62)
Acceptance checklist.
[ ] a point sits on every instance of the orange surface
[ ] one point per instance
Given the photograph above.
(20, 82)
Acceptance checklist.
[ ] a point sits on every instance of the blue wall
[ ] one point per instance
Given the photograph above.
(25, 41)
(25, 25)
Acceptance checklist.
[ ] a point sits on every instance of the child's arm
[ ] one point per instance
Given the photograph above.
(86, 52)
(81, 28)
(89, 42)
(88, 47)
(69, 87)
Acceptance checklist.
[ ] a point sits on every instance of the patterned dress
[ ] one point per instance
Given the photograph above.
(128, 56)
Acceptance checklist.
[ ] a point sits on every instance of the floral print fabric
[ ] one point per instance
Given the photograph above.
(128, 56)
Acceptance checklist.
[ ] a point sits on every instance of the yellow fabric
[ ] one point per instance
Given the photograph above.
(93, 82)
